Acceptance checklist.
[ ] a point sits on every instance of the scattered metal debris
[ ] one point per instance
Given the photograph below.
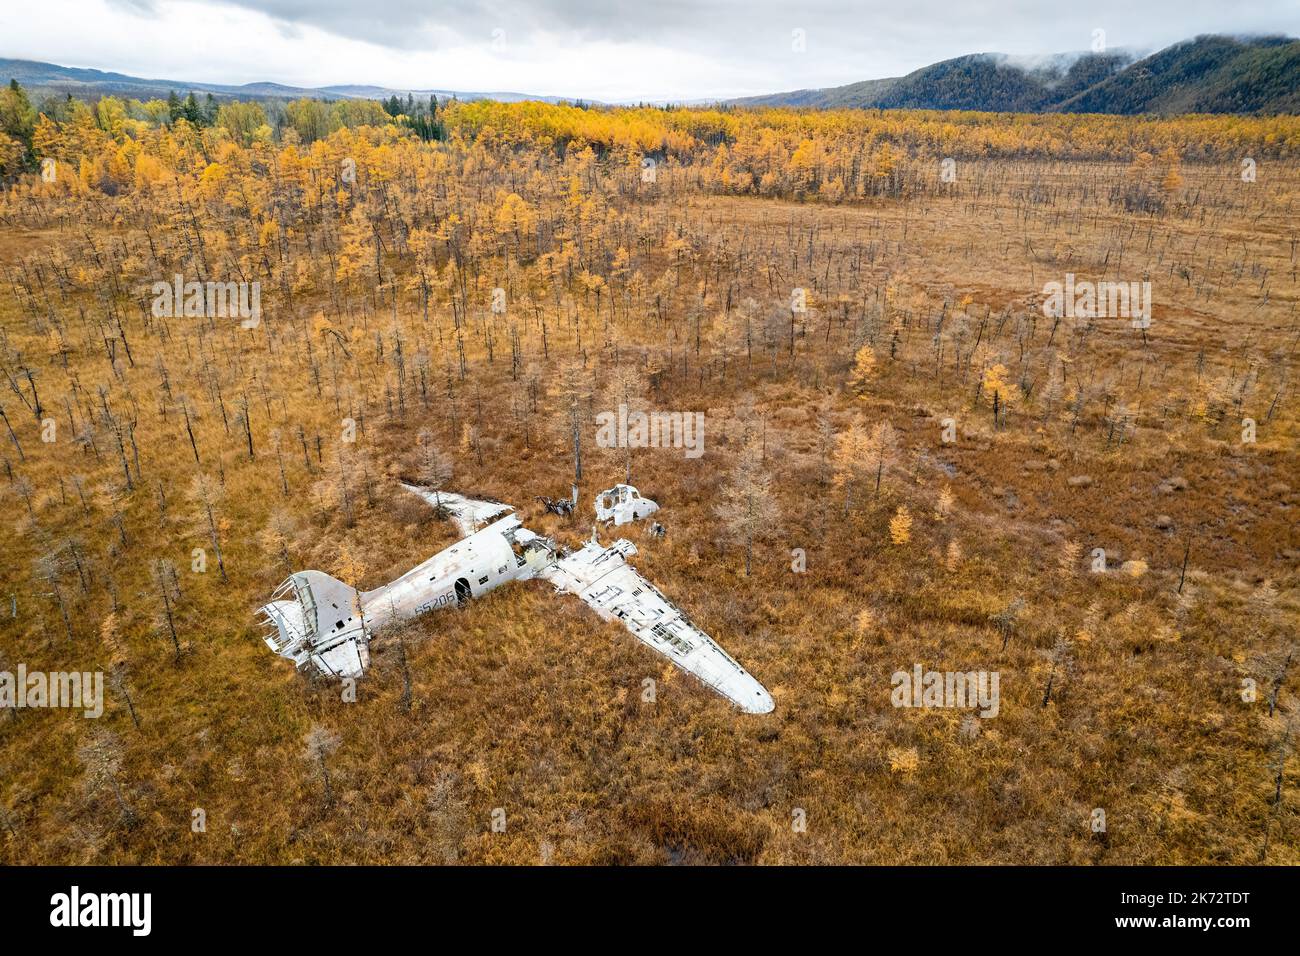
(563, 507)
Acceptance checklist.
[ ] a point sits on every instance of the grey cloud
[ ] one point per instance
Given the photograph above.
(850, 34)
(138, 7)
(686, 49)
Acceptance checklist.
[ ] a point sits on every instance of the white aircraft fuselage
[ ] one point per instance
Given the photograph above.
(327, 624)
(502, 552)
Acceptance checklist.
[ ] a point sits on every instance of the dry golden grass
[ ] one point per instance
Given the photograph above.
(529, 703)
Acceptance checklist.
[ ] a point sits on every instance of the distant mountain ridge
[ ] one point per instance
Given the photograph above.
(46, 78)
(1210, 74)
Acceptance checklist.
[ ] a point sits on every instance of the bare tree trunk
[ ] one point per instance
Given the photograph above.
(171, 624)
(216, 544)
(406, 673)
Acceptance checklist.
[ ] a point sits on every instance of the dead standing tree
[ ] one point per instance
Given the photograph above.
(573, 391)
(747, 508)
(166, 583)
(434, 468)
(51, 567)
(624, 394)
(205, 493)
(102, 757)
(320, 743)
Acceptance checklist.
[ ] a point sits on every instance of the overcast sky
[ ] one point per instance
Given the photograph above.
(611, 50)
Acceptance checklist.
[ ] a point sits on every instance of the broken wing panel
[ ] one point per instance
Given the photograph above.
(470, 514)
(605, 581)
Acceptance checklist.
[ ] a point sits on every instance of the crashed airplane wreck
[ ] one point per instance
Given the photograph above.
(325, 626)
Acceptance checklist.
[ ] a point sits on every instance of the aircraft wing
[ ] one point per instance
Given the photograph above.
(469, 514)
(603, 579)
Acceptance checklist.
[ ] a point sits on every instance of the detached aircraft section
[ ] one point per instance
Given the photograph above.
(325, 626)
(623, 504)
(603, 579)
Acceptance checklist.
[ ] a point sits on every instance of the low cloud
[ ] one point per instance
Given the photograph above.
(610, 50)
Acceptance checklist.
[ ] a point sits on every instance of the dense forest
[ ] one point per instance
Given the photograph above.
(1210, 74)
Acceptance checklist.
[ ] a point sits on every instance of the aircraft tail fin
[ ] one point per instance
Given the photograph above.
(316, 622)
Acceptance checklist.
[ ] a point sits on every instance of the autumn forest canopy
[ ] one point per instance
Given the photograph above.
(742, 151)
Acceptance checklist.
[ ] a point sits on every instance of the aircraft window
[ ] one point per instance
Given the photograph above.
(483, 580)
